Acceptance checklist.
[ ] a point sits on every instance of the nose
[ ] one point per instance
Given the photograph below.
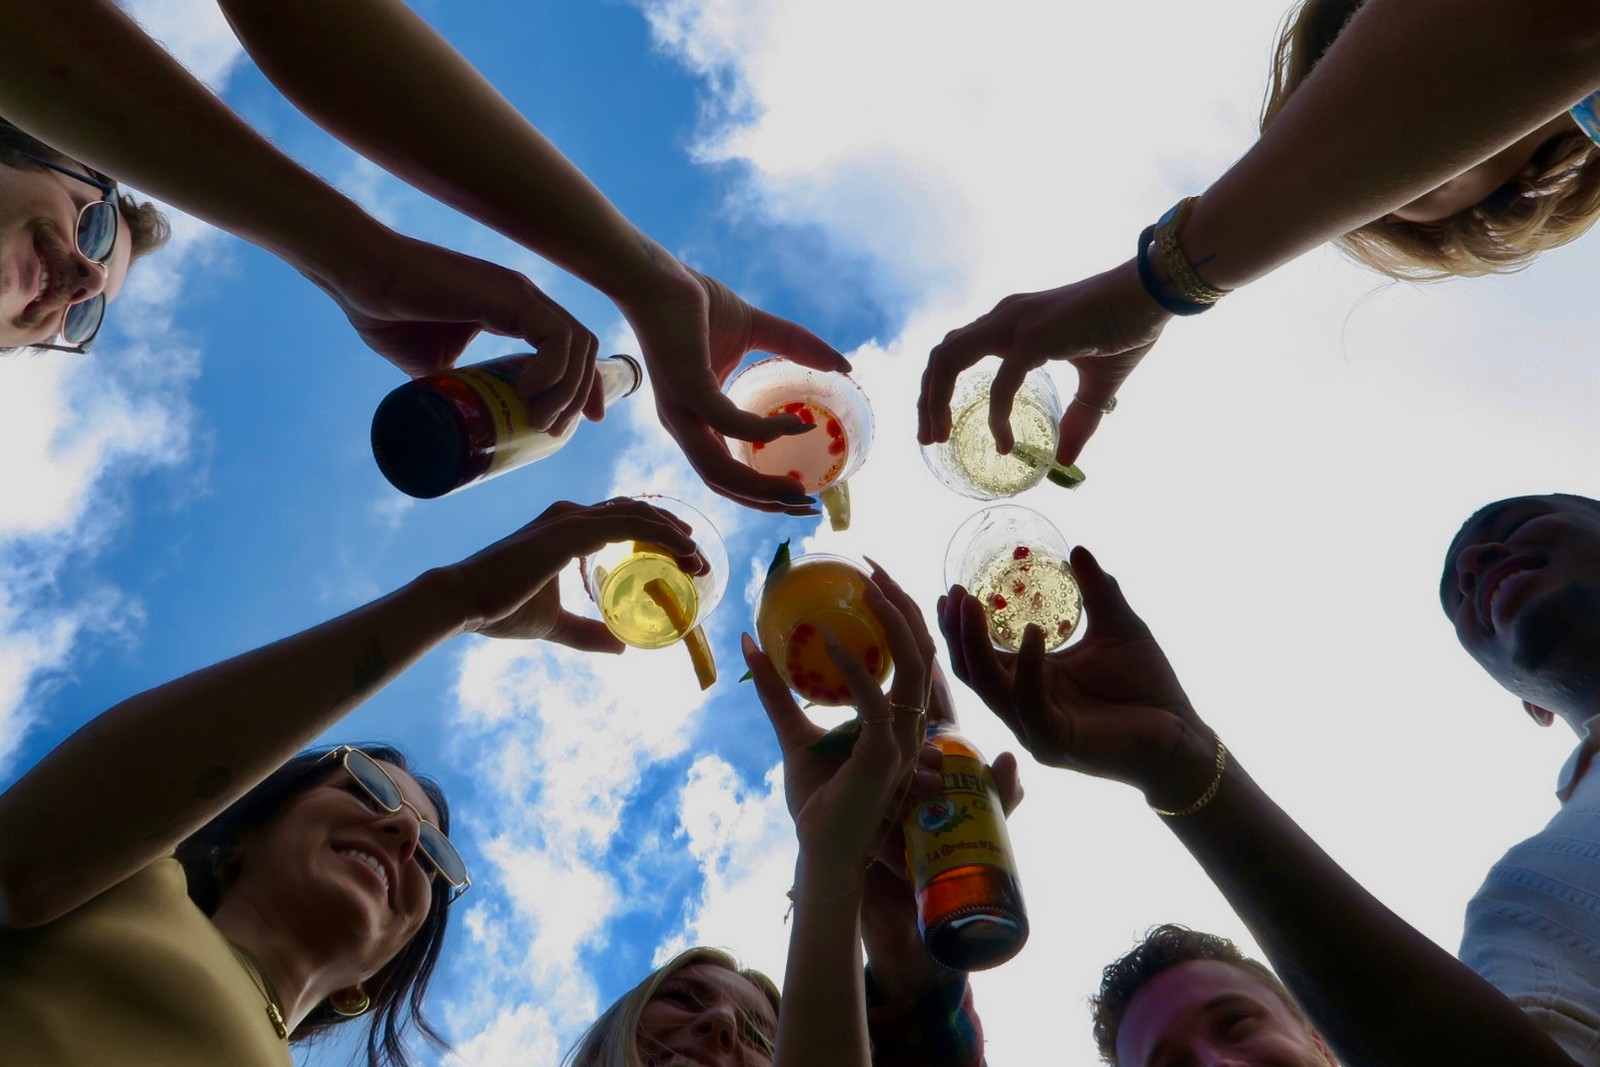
(1473, 560)
(401, 830)
(718, 1027)
(88, 278)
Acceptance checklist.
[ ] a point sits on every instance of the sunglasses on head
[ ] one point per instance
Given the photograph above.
(432, 844)
(96, 238)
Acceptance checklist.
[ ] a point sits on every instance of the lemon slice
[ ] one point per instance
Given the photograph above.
(836, 501)
(705, 665)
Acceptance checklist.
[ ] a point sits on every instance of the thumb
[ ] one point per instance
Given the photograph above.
(1108, 611)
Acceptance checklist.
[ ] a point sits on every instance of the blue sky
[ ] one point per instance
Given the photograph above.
(1275, 490)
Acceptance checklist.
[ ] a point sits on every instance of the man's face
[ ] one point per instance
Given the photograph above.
(1209, 1013)
(1521, 584)
(41, 270)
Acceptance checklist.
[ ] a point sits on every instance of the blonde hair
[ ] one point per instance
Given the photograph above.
(613, 1039)
(1553, 201)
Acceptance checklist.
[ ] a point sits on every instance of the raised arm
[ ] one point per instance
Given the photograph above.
(1111, 706)
(65, 69)
(1413, 93)
(842, 805)
(424, 113)
(139, 778)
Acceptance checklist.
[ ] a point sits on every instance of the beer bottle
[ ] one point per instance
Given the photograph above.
(969, 902)
(439, 433)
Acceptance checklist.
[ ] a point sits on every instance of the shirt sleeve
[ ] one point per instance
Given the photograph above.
(938, 1029)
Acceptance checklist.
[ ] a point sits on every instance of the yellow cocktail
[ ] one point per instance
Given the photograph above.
(812, 593)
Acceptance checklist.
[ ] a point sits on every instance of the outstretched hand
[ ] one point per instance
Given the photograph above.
(842, 807)
(1109, 705)
(692, 336)
(1103, 326)
(418, 305)
(510, 586)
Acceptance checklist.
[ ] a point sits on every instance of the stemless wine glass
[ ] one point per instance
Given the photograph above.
(1015, 562)
(812, 592)
(968, 461)
(644, 597)
(822, 459)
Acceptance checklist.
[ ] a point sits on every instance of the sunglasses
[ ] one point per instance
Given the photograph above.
(432, 844)
(96, 238)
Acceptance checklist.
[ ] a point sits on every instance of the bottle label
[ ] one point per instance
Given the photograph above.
(515, 442)
(963, 825)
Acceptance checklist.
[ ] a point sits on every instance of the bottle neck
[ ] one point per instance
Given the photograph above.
(620, 376)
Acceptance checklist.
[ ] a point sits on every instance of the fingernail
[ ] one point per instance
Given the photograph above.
(797, 430)
(798, 500)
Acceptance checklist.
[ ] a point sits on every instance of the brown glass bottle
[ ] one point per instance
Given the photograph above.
(439, 433)
(969, 902)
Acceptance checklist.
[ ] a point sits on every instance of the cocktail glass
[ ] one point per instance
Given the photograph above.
(647, 600)
(1015, 562)
(968, 461)
(822, 459)
(813, 592)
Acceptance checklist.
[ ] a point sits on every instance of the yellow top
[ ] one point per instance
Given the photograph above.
(138, 976)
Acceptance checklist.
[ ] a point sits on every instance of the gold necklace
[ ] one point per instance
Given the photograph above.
(263, 984)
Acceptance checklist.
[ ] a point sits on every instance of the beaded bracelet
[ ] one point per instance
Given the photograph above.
(1211, 790)
(1147, 278)
(1177, 265)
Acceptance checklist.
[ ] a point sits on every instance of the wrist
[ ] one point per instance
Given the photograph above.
(828, 883)
(648, 278)
(1187, 774)
(340, 249)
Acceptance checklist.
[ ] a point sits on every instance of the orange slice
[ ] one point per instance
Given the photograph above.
(694, 638)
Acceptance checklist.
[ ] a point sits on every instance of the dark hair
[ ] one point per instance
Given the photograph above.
(1167, 946)
(1553, 200)
(147, 225)
(210, 862)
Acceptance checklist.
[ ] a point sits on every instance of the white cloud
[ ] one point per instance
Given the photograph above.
(195, 32)
(74, 430)
(1275, 491)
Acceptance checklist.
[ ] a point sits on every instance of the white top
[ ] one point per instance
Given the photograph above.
(1533, 928)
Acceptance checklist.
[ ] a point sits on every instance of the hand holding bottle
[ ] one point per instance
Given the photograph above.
(1109, 705)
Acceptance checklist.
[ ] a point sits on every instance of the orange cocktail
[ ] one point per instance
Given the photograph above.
(799, 600)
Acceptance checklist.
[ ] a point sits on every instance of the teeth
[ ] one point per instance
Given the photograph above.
(44, 280)
(370, 861)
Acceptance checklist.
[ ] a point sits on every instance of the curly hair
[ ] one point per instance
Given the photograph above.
(1167, 946)
(210, 861)
(1551, 202)
(613, 1039)
(147, 225)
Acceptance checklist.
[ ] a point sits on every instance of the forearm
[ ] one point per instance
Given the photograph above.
(1413, 93)
(824, 1016)
(138, 779)
(1381, 993)
(424, 113)
(65, 69)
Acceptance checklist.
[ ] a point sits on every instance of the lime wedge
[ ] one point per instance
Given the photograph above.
(836, 501)
(1069, 476)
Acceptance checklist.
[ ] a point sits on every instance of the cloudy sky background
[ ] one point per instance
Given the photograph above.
(1275, 491)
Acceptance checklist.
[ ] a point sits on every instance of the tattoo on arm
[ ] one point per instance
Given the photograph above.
(372, 669)
(649, 246)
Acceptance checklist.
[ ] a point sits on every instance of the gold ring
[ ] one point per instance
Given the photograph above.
(921, 711)
(1107, 408)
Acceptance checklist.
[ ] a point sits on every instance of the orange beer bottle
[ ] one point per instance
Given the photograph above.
(969, 902)
(444, 431)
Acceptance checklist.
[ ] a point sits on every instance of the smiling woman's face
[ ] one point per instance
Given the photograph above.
(345, 874)
(705, 1015)
(41, 271)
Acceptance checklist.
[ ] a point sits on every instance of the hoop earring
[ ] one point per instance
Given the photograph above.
(350, 1002)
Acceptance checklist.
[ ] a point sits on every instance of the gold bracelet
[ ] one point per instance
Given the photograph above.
(1179, 271)
(1211, 790)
